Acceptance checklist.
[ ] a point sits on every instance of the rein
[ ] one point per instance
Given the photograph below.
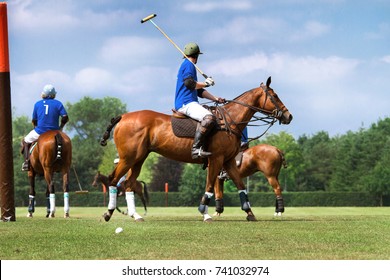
(269, 119)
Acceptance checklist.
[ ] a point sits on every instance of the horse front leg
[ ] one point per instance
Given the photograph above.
(234, 174)
(279, 202)
(31, 196)
(218, 190)
(213, 171)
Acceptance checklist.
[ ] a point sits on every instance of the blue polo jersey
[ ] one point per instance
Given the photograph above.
(184, 95)
(47, 112)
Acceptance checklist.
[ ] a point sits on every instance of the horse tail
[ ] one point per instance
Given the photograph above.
(59, 145)
(106, 134)
(284, 161)
(145, 191)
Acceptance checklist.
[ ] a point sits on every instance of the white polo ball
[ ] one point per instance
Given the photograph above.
(118, 230)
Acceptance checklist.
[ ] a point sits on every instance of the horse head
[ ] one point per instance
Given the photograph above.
(273, 106)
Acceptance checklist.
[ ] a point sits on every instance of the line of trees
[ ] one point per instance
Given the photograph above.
(352, 162)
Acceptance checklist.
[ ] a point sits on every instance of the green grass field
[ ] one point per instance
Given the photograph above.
(344, 233)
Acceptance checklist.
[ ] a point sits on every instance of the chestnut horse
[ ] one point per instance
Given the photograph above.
(141, 132)
(264, 158)
(51, 153)
(140, 189)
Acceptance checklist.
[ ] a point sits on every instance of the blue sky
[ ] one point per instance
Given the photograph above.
(329, 59)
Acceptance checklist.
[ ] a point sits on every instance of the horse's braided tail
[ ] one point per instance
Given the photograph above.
(106, 134)
(284, 161)
(58, 146)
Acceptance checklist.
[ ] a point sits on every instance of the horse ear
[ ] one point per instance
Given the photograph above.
(268, 81)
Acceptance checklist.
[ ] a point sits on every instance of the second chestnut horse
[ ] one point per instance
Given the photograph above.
(264, 158)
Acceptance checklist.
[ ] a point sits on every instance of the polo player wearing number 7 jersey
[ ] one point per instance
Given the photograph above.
(45, 117)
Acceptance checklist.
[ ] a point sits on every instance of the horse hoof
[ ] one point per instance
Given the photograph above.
(139, 220)
(278, 214)
(216, 214)
(29, 215)
(251, 218)
(209, 220)
(106, 217)
(66, 215)
(51, 215)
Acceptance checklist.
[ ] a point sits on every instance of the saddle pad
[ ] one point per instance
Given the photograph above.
(184, 127)
(33, 146)
(239, 158)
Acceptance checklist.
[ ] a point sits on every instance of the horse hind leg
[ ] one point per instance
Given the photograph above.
(52, 201)
(131, 186)
(66, 204)
(31, 206)
(65, 187)
(31, 197)
(131, 207)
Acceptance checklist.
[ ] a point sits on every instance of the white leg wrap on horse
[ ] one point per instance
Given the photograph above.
(209, 194)
(206, 215)
(52, 199)
(66, 202)
(244, 191)
(112, 198)
(130, 203)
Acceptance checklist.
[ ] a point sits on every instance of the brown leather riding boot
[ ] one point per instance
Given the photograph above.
(197, 150)
(26, 155)
(203, 129)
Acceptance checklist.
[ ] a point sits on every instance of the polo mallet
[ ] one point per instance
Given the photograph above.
(149, 18)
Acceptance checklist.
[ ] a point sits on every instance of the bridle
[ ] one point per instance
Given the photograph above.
(269, 119)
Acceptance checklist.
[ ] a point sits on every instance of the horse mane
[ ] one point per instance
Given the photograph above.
(284, 161)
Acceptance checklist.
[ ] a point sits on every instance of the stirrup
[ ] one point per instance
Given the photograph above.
(199, 153)
(223, 175)
(25, 166)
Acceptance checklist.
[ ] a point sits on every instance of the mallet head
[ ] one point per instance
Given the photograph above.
(148, 18)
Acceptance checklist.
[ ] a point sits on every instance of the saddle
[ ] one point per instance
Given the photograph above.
(184, 126)
(58, 147)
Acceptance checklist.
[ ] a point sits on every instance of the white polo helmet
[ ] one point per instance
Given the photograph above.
(48, 91)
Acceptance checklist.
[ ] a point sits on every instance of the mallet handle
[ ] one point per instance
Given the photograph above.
(148, 18)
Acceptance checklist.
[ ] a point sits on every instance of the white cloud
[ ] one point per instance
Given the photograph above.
(246, 30)
(93, 80)
(26, 16)
(308, 68)
(52, 16)
(311, 29)
(200, 7)
(386, 59)
(132, 50)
